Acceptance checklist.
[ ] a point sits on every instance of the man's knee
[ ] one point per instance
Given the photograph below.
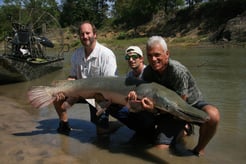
(213, 113)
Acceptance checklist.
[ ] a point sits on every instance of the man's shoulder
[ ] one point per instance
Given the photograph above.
(148, 72)
(129, 74)
(176, 66)
(174, 62)
(78, 52)
(104, 49)
(148, 68)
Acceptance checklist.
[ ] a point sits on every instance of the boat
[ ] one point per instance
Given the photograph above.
(15, 69)
(26, 56)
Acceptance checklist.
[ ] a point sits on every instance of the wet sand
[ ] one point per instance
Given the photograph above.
(22, 140)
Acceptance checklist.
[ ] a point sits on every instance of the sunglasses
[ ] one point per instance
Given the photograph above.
(134, 57)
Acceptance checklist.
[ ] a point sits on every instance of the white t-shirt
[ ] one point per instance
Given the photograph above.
(101, 62)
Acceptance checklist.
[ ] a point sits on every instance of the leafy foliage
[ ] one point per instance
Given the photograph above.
(25, 12)
(132, 13)
(127, 15)
(75, 11)
(208, 17)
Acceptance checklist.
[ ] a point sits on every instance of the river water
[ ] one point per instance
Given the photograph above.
(29, 135)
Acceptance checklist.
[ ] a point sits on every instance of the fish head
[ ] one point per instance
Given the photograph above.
(145, 90)
(164, 104)
(187, 112)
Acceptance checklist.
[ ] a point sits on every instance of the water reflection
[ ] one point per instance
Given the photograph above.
(222, 79)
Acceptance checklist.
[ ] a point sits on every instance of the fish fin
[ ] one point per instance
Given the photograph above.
(101, 103)
(39, 97)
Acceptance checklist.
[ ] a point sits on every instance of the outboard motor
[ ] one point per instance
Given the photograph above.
(46, 42)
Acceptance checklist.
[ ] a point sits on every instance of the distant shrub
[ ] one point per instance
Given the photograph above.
(122, 35)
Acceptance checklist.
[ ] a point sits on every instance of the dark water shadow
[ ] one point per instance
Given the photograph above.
(84, 131)
(49, 126)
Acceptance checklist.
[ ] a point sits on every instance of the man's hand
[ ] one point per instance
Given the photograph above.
(71, 78)
(65, 105)
(146, 103)
(132, 95)
(60, 96)
(65, 102)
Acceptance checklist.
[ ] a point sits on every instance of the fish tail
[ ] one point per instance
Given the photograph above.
(40, 97)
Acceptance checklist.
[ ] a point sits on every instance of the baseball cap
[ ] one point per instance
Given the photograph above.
(135, 49)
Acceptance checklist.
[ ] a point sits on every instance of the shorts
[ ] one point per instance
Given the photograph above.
(141, 122)
(200, 104)
(168, 128)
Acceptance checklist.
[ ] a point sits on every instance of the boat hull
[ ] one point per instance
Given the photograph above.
(17, 70)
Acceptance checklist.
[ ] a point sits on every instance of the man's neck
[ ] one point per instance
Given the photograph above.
(89, 49)
(137, 71)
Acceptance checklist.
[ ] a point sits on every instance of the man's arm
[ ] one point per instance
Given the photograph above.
(184, 97)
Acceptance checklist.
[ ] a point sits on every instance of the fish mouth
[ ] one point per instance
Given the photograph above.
(191, 117)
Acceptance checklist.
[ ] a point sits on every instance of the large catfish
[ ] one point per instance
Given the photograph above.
(115, 90)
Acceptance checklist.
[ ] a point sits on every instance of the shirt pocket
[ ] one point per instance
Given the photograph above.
(95, 71)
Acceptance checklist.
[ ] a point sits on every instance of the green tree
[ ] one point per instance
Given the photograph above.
(132, 13)
(26, 12)
(6, 14)
(31, 9)
(193, 2)
(75, 11)
(170, 6)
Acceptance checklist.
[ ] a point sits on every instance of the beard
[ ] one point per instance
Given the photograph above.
(88, 42)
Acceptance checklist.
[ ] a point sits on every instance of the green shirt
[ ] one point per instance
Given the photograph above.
(177, 78)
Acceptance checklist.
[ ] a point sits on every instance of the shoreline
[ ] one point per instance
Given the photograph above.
(172, 42)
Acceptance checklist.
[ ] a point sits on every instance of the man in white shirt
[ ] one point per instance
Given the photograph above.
(90, 60)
